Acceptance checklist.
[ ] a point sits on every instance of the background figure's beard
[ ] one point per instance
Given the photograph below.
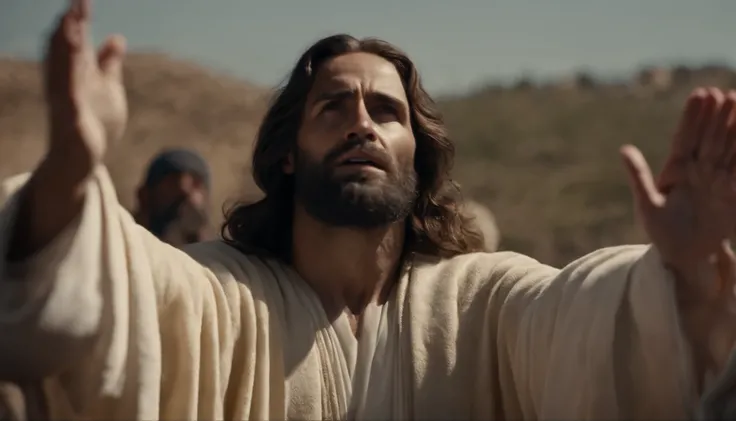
(178, 224)
(352, 201)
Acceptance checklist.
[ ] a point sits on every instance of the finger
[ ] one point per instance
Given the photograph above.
(647, 197)
(711, 106)
(81, 9)
(726, 267)
(110, 56)
(55, 41)
(713, 141)
(685, 142)
(57, 63)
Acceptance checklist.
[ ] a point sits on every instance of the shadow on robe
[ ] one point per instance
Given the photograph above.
(20, 401)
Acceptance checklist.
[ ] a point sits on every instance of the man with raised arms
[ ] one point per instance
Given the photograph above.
(355, 289)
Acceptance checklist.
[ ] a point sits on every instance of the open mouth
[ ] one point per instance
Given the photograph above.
(359, 162)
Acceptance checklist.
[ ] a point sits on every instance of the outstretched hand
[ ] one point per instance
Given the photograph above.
(84, 90)
(87, 110)
(690, 211)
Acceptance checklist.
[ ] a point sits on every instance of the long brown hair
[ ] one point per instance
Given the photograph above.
(437, 225)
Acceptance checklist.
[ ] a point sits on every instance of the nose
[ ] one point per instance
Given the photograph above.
(361, 125)
(191, 187)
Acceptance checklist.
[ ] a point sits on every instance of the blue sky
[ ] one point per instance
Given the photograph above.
(456, 44)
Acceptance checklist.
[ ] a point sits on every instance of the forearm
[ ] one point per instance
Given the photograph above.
(52, 198)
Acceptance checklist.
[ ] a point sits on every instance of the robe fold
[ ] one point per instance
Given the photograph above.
(20, 399)
(123, 326)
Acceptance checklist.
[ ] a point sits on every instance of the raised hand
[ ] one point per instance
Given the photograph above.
(690, 213)
(84, 91)
(87, 110)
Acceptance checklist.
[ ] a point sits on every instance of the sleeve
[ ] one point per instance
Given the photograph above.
(92, 311)
(600, 339)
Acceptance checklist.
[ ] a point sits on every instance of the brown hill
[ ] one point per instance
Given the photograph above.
(543, 157)
(171, 103)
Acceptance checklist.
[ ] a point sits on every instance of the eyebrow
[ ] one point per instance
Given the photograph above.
(346, 93)
(333, 95)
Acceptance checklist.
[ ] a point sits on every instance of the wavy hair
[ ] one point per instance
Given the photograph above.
(437, 226)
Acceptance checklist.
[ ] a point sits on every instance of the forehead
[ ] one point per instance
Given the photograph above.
(359, 71)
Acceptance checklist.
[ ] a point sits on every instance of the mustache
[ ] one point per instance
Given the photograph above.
(356, 142)
(161, 220)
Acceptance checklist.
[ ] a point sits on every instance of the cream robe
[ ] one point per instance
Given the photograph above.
(126, 327)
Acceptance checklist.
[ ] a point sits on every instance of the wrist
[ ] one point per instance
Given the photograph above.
(51, 198)
(67, 166)
(70, 140)
(707, 312)
(696, 282)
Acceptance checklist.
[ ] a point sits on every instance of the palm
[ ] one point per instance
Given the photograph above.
(84, 88)
(695, 218)
(689, 212)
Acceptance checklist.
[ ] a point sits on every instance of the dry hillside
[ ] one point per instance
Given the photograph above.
(543, 157)
(171, 103)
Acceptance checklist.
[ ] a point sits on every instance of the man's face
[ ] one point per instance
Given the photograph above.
(354, 163)
(177, 208)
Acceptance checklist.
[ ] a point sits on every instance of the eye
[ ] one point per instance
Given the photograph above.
(330, 106)
(385, 112)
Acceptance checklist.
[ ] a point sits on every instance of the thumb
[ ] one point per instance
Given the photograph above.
(647, 197)
(110, 57)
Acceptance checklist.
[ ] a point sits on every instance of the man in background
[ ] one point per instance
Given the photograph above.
(173, 198)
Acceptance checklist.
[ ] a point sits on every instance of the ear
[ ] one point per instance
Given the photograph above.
(288, 164)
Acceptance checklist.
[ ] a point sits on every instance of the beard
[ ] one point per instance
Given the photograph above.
(179, 223)
(355, 200)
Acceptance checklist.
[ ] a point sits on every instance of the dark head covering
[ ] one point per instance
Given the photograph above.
(177, 161)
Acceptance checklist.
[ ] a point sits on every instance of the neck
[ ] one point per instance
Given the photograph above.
(347, 267)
